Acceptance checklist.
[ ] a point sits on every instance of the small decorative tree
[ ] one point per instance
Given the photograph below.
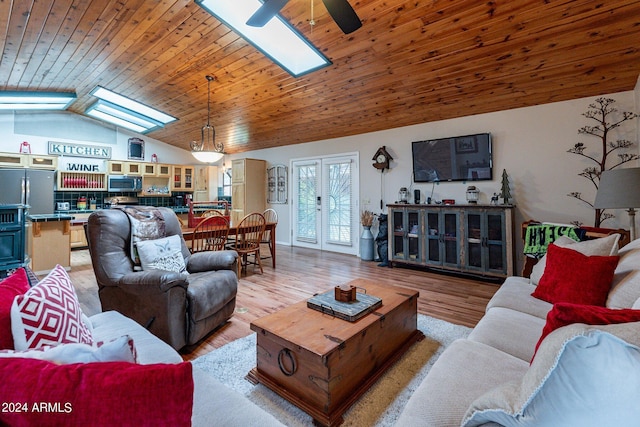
(601, 111)
(505, 192)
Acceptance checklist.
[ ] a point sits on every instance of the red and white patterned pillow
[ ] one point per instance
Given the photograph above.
(49, 314)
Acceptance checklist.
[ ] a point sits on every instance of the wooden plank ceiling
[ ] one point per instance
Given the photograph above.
(411, 62)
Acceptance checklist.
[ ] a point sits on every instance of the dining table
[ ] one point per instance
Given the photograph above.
(187, 233)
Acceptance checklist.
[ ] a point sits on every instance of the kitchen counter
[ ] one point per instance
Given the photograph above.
(49, 217)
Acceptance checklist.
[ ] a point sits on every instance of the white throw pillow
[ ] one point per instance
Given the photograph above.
(581, 376)
(119, 350)
(604, 246)
(162, 254)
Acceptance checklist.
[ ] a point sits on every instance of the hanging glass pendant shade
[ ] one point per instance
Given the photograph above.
(207, 150)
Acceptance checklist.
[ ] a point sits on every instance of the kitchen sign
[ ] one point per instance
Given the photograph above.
(79, 150)
(69, 164)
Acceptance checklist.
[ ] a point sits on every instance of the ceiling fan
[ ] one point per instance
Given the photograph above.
(340, 10)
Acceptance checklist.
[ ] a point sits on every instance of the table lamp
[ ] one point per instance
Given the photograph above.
(620, 189)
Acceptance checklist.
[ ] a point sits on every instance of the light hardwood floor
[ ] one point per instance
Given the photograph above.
(300, 274)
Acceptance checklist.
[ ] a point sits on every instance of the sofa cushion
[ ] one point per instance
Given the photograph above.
(570, 382)
(604, 246)
(110, 325)
(571, 276)
(12, 286)
(84, 394)
(162, 254)
(465, 370)
(119, 350)
(563, 314)
(215, 404)
(515, 293)
(625, 289)
(510, 331)
(49, 314)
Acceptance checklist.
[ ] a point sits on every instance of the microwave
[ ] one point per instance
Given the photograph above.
(124, 183)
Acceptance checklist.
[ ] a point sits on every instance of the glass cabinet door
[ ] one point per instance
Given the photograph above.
(397, 243)
(432, 227)
(474, 240)
(450, 237)
(414, 236)
(496, 250)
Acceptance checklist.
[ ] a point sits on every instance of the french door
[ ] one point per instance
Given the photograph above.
(325, 203)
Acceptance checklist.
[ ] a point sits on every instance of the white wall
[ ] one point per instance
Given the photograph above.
(530, 143)
(166, 153)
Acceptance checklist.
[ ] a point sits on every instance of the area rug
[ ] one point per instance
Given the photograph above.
(380, 406)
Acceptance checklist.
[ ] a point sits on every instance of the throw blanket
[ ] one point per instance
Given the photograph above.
(147, 223)
(539, 236)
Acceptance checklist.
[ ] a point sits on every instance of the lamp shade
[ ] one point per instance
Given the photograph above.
(207, 156)
(619, 189)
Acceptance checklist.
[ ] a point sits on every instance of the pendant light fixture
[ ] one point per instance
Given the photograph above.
(207, 150)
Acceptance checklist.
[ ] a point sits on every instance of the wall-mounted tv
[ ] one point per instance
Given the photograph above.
(460, 158)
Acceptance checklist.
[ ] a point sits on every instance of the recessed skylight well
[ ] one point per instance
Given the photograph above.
(18, 100)
(122, 111)
(277, 39)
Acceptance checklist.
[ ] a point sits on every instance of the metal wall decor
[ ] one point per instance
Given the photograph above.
(277, 184)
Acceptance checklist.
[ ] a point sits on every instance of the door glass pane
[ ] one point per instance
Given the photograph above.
(494, 227)
(340, 206)
(306, 182)
(450, 238)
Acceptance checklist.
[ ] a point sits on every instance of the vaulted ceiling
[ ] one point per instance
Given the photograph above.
(411, 62)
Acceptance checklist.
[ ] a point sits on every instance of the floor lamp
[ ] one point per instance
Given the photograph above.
(620, 189)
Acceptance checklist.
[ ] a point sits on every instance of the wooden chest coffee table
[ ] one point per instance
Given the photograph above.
(323, 364)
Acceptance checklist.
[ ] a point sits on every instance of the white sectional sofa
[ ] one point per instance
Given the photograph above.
(214, 404)
(581, 375)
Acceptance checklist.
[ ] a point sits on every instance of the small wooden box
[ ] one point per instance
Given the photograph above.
(345, 293)
(323, 364)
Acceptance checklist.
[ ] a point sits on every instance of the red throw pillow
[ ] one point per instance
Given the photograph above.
(41, 393)
(11, 287)
(576, 278)
(563, 314)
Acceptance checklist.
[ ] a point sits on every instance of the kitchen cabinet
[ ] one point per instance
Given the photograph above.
(124, 168)
(182, 178)
(13, 160)
(42, 162)
(78, 238)
(464, 238)
(248, 187)
(161, 170)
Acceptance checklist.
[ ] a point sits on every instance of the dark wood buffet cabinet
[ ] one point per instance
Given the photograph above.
(474, 239)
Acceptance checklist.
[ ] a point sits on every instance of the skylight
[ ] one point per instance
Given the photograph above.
(278, 40)
(17, 100)
(125, 112)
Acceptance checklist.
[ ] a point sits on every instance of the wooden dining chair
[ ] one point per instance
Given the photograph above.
(248, 237)
(270, 216)
(210, 234)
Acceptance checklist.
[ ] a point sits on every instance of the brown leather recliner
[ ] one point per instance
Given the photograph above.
(178, 308)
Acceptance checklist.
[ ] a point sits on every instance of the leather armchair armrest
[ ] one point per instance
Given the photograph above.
(212, 260)
(151, 281)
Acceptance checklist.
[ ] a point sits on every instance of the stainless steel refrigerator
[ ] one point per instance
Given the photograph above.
(33, 187)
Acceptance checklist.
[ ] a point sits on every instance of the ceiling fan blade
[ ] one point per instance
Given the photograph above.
(268, 10)
(344, 15)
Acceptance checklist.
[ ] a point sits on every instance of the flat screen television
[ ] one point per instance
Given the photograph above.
(460, 158)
